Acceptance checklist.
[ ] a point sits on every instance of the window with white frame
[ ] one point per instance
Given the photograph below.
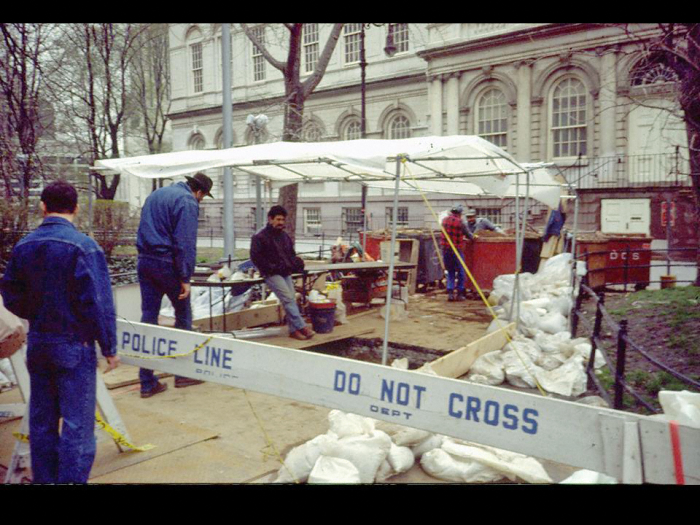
(197, 69)
(310, 44)
(351, 39)
(312, 220)
(401, 216)
(352, 130)
(569, 133)
(400, 37)
(492, 214)
(196, 142)
(257, 56)
(311, 132)
(492, 117)
(399, 127)
(352, 220)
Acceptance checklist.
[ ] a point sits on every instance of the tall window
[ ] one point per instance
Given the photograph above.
(352, 130)
(310, 47)
(492, 117)
(400, 37)
(352, 220)
(311, 132)
(399, 127)
(312, 220)
(258, 58)
(401, 214)
(492, 214)
(197, 70)
(196, 142)
(351, 34)
(569, 119)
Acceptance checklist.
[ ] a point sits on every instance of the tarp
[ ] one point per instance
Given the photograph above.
(459, 156)
(543, 186)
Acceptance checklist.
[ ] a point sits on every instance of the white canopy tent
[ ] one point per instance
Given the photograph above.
(447, 163)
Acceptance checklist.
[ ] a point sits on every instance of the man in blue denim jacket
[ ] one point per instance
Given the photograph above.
(58, 280)
(167, 245)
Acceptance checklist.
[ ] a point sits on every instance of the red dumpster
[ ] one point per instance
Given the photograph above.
(488, 257)
(628, 260)
(597, 247)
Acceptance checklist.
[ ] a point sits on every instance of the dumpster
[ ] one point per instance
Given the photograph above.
(628, 260)
(596, 246)
(429, 269)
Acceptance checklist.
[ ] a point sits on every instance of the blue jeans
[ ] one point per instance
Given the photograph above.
(283, 287)
(157, 278)
(454, 270)
(63, 376)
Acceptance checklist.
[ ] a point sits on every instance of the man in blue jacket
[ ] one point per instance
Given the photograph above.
(58, 280)
(272, 253)
(166, 242)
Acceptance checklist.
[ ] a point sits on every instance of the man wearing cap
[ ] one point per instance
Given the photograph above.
(475, 224)
(167, 244)
(456, 229)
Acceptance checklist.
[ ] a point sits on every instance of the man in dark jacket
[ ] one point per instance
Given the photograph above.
(58, 280)
(272, 253)
(167, 245)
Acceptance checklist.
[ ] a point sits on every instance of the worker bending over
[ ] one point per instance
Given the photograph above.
(272, 253)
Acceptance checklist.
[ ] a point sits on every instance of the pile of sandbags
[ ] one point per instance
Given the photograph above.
(543, 351)
(358, 449)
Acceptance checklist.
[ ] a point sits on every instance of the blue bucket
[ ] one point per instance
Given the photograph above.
(322, 317)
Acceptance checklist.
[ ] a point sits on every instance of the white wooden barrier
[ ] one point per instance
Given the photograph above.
(629, 447)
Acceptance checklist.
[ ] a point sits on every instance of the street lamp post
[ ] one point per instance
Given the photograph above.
(390, 51)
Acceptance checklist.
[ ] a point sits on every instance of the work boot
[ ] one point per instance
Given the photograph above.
(298, 334)
(160, 387)
(308, 332)
(461, 296)
(182, 382)
(450, 296)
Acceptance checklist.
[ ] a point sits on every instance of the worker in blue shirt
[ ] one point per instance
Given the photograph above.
(475, 224)
(57, 279)
(166, 242)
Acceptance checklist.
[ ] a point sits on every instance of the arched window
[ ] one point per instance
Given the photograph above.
(652, 70)
(352, 129)
(492, 117)
(196, 142)
(399, 127)
(569, 118)
(311, 132)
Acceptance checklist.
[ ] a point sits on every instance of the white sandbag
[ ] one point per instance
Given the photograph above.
(343, 424)
(540, 302)
(553, 323)
(432, 442)
(366, 452)
(567, 380)
(519, 368)
(496, 324)
(406, 436)
(334, 470)
(335, 293)
(487, 369)
(401, 364)
(510, 464)
(399, 460)
(398, 311)
(683, 406)
(301, 460)
(442, 465)
(588, 477)
(7, 370)
(560, 304)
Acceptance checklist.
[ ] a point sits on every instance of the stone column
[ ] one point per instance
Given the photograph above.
(452, 103)
(607, 101)
(524, 112)
(435, 87)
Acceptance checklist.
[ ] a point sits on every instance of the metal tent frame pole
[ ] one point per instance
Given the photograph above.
(227, 110)
(391, 261)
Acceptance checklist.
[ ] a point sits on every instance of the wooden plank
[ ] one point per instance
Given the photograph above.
(125, 375)
(457, 363)
(247, 318)
(407, 252)
(345, 331)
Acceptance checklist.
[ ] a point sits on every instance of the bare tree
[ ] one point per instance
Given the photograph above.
(22, 123)
(296, 92)
(92, 87)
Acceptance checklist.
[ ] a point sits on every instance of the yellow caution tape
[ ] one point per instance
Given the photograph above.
(471, 277)
(118, 438)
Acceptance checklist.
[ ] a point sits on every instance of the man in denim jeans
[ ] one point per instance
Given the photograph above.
(166, 242)
(58, 280)
(272, 252)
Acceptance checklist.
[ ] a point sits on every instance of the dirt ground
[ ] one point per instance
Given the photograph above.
(213, 433)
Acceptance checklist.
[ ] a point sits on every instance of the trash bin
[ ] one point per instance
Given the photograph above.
(429, 269)
(322, 316)
(488, 257)
(596, 246)
(628, 260)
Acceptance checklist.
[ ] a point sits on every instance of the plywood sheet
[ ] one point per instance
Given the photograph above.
(125, 375)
